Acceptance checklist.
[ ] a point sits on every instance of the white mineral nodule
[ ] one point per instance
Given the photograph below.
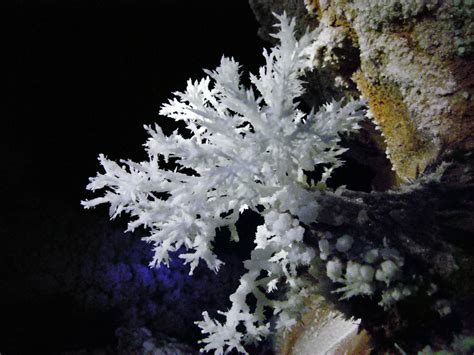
(334, 269)
(344, 243)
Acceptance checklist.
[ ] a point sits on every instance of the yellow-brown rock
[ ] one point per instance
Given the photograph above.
(415, 70)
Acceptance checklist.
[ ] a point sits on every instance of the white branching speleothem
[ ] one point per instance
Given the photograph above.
(247, 148)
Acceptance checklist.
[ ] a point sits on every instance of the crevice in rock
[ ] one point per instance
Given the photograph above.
(367, 167)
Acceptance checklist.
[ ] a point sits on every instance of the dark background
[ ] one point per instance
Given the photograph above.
(82, 78)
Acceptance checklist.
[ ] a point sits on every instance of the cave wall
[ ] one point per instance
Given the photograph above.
(412, 60)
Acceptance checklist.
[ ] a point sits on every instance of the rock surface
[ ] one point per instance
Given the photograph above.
(413, 61)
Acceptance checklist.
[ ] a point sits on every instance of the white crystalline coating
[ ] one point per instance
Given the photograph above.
(389, 268)
(281, 224)
(344, 243)
(324, 49)
(311, 7)
(352, 271)
(326, 335)
(387, 272)
(394, 294)
(334, 269)
(340, 82)
(358, 281)
(367, 273)
(324, 248)
(371, 256)
(406, 291)
(245, 147)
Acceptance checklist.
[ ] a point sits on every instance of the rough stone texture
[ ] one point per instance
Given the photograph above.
(410, 63)
(431, 225)
(413, 61)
